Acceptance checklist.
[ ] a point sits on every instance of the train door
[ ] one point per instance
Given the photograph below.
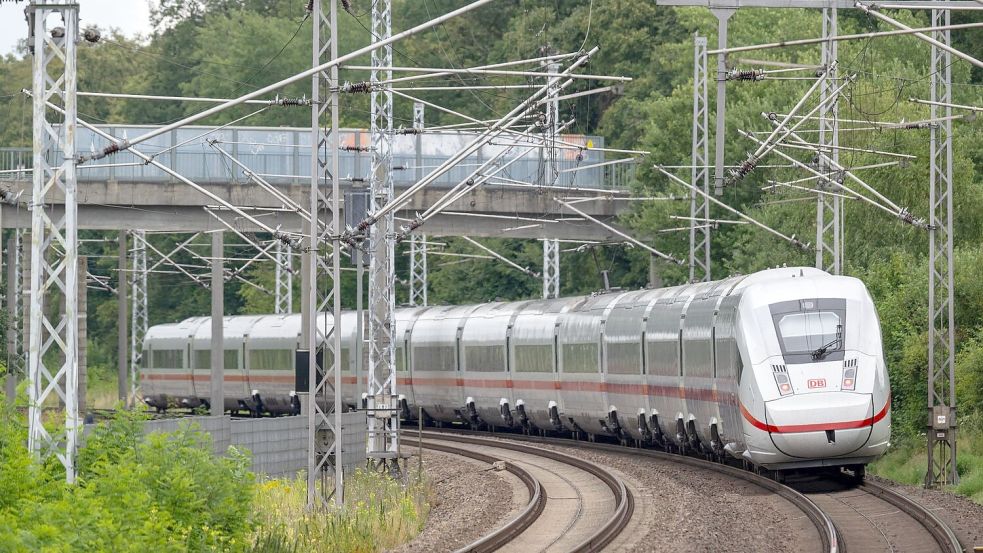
(484, 366)
(697, 353)
(582, 398)
(533, 346)
(663, 370)
(622, 355)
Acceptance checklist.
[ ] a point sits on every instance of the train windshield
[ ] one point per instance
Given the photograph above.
(810, 330)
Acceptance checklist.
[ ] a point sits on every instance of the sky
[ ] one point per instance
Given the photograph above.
(132, 17)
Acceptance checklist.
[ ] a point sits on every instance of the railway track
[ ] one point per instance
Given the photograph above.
(829, 536)
(873, 518)
(865, 518)
(574, 504)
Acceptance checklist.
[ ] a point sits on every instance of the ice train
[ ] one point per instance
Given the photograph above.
(782, 368)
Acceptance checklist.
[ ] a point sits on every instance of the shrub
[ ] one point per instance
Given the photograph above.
(162, 493)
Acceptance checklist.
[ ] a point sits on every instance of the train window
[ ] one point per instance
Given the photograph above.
(271, 359)
(580, 358)
(624, 357)
(434, 358)
(484, 358)
(533, 358)
(203, 359)
(681, 358)
(167, 359)
(663, 357)
(400, 359)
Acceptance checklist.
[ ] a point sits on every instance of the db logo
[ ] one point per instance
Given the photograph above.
(817, 383)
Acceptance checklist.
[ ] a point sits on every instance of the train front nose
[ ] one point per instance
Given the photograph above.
(820, 425)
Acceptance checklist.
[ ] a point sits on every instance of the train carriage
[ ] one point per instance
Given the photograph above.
(782, 368)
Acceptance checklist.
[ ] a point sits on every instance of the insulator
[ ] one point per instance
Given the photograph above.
(291, 102)
(746, 75)
(92, 35)
(346, 5)
(354, 149)
(363, 87)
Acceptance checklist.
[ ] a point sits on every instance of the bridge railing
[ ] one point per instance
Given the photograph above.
(281, 155)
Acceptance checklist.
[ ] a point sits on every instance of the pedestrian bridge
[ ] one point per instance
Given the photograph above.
(123, 192)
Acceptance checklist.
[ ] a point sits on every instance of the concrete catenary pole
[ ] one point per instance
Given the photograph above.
(122, 322)
(216, 393)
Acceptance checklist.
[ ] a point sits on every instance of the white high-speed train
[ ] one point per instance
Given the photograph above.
(782, 368)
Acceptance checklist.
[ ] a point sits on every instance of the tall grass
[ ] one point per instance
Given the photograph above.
(379, 513)
(907, 461)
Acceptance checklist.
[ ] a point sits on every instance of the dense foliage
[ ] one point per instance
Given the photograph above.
(165, 492)
(222, 47)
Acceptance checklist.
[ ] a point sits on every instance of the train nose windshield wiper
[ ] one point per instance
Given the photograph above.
(821, 352)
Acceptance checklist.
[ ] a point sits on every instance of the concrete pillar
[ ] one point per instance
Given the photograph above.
(217, 394)
(122, 338)
(655, 279)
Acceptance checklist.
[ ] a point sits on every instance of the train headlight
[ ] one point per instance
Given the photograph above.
(784, 386)
(849, 378)
(849, 375)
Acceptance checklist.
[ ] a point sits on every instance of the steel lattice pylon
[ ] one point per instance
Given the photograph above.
(551, 247)
(942, 468)
(551, 268)
(284, 285)
(418, 242)
(139, 321)
(53, 343)
(324, 399)
(829, 207)
(699, 206)
(383, 445)
(418, 269)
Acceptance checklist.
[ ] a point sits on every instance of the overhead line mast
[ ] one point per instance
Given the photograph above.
(383, 419)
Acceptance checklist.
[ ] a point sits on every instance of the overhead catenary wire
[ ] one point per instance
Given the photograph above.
(306, 74)
(624, 235)
(502, 258)
(177, 175)
(790, 239)
(505, 122)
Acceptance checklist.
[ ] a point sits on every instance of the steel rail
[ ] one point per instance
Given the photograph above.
(940, 531)
(624, 500)
(504, 534)
(829, 535)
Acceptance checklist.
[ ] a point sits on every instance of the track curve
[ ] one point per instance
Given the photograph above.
(873, 518)
(552, 463)
(829, 534)
(529, 514)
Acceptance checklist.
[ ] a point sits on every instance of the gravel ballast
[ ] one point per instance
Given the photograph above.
(964, 517)
(677, 507)
(468, 500)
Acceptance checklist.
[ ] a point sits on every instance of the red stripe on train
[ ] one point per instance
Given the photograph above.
(816, 427)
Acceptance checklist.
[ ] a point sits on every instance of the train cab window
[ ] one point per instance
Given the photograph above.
(811, 330)
(167, 359)
(580, 358)
(533, 358)
(484, 358)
